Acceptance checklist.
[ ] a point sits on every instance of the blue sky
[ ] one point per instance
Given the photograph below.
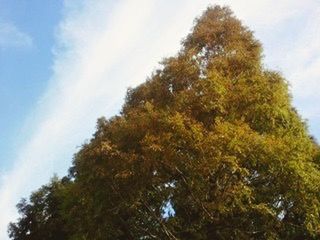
(65, 63)
(26, 40)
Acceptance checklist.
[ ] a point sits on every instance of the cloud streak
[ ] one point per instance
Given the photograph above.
(103, 47)
(12, 37)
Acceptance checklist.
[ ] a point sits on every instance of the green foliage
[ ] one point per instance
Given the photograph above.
(209, 147)
(40, 216)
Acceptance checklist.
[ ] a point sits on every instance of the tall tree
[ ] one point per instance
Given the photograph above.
(209, 147)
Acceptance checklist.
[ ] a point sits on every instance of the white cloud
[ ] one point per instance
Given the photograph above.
(102, 48)
(11, 36)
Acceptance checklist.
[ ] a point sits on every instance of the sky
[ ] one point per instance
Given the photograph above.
(64, 63)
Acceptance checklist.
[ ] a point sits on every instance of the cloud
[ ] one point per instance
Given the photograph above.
(103, 47)
(12, 37)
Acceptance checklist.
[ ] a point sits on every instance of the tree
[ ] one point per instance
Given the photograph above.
(209, 147)
(40, 217)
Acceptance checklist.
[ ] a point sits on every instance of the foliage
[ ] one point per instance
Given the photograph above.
(209, 147)
(40, 216)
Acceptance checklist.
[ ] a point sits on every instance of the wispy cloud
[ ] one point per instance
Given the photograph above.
(13, 37)
(102, 48)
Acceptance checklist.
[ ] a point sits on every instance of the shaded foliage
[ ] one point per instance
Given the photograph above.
(209, 147)
(41, 216)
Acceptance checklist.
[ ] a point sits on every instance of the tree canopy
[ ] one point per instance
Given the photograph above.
(209, 147)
